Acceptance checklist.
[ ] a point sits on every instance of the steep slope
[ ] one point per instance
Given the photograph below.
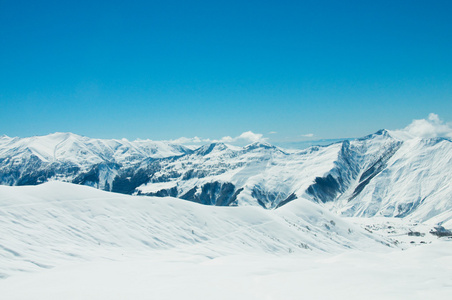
(412, 181)
(383, 174)
(56, 223)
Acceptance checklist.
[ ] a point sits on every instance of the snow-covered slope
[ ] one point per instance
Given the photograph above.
(258, 174)
(55, 223)
(384, 174)
(74, 158)
(413, 180)
(65, 241)
(84, 150)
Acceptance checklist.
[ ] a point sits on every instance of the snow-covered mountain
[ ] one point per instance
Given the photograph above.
(81, 223)
(73, 158)
(383, 174)
(61, 240)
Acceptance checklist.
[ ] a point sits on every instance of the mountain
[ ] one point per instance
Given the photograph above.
(50, 224)
(409, 178)
(73, 158)
(382, 174)
(58, 237)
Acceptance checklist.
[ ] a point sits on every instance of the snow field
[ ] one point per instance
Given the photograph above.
(417, 273)
(64, 241)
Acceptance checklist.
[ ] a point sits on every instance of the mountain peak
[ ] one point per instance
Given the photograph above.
(257, 145)
(380, 133)
(63, 134)
(206, 149)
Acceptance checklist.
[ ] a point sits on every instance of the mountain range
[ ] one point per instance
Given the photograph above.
(383, 174)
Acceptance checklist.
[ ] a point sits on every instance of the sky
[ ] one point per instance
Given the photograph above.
(286, 71)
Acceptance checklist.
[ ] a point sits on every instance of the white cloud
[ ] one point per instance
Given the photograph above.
(245, 137)
(428, 128)
(308, 135)
(252, 137)
(225, 139)
(272, 132)
(185, 140)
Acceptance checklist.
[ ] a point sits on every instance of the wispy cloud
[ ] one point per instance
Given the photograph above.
(428, 128)
(308, 135)
(272, 132)
(193, 140)
(245, 137)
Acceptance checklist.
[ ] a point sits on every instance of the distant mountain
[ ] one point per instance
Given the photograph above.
(309, 143)
(381, 174)
(73, 158)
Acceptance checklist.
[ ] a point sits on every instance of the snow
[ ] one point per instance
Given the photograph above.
(407, 175)
(64, 241)
(157, 186)
(256, 165)
(418, 273)
(415, 182)
(75, 222)
(83, 150)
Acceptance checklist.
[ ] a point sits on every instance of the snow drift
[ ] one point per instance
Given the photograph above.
(43, 226)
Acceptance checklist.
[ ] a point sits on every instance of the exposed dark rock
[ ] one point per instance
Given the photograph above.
(267, 199)
(374, 170)
(406, 208)
(213, 193)
(92, 177)
(127, 184)
(287, 200)
(172, 192)
(324, 188)
(226, 195)
(327, 188)
(415, 233)
(190, 195)
(233, 199)
(440, 231)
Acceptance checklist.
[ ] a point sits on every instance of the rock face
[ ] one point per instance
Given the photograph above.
(380, 174)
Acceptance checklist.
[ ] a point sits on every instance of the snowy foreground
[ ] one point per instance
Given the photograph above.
(63, 241)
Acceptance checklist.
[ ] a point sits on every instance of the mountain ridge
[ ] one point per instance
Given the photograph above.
(352, 177)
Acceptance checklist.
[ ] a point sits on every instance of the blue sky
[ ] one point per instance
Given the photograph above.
(169, 69)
